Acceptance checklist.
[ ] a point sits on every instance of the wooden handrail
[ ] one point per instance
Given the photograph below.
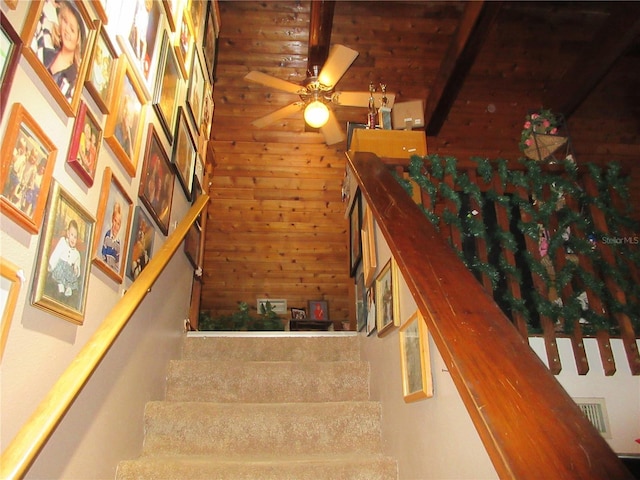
(26, 445)
(529, 425)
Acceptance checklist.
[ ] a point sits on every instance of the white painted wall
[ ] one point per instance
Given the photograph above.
(434, 438)
(104, 425)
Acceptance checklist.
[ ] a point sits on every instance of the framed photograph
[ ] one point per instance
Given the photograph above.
(184, 153)
(385, 301)
(102, 72)
(192, 245)
(355, 228)
(184, 43)
(58, 41)
(28, 157)
(167, 88)
(206, 121)
(10, 49)
(318, 310)
(85, 145)
(361, 303)
(115, 211)
(171, 11)
(156, 184)
(298, 313)
(101, 13)
(417, 382)
(140, 244)
(139, 32)
(369, 254)
(196, 90)
(123, 132)
(210, 42)
(371, 310)
(196, 13)
(10, 282)
(63, 262)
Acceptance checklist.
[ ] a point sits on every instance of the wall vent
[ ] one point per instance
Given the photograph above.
(277, 304)
(596, 411)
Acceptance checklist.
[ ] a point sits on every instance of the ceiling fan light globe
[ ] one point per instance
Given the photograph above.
(316, 114)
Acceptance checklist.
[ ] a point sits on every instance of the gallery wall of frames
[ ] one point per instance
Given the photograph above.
(101, 181)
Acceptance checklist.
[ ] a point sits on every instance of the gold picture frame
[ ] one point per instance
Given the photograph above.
(387, 299)
(184, 42)
(63, 262)
(28, 157)
(10, 283)
(125, 125)
(417, 381)
(115, 212)
(102, 72)
(47, 58)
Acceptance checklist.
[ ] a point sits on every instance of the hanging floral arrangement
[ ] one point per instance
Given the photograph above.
(540, 135)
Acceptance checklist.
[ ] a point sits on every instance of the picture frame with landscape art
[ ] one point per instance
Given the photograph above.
(63, 260)
(141, 243)
(115, 211)
(85, 145)
(157, 182)
(10, 49)
(102, 72)
(417, 380)
(125, 125)
(42, 52)
(167, 88)
(24, 192)
(184, 153)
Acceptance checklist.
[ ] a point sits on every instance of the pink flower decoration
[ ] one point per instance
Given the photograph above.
(527, 125)
(546, 124)
(553, 131)
(528, 142)
(534, 116)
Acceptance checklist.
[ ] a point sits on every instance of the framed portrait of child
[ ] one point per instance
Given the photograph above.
(63, 262)
(85, 145)
(58, 38)
(115, 211)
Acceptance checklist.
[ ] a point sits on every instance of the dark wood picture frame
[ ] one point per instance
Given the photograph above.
(84, 148)
(10, 50)
(355, 234)
(192, 245)
(140, 243)
(184, 154)
(167, 88)
(210, 42)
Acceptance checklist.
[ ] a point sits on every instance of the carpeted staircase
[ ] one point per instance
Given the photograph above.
(264, 407)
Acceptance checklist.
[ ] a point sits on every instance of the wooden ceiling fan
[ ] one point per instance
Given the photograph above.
(318, 93)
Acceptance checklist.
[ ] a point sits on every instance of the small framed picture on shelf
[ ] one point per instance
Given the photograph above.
(28, 157)
(318, 310)
(141, 243)
(157, 183)
(184, 153)
(60, 60)
(64, 257)
(417, 381)
(298, 313)
(10, 49)
(102, 72)
(85, 145)
(115, 212)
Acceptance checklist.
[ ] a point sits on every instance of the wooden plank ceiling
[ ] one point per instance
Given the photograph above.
(276, 221)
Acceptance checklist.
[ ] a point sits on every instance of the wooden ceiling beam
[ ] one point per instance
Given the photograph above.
(475, 24)
(320, 25)
(617, 34)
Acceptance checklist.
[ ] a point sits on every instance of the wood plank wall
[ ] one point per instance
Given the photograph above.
(276, 221)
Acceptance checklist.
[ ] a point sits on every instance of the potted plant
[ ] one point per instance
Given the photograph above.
(242, 320)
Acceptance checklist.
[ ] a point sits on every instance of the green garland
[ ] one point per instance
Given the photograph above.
(545, 204)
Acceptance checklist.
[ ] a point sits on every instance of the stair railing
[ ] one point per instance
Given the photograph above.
(30, 439)
(529, 425)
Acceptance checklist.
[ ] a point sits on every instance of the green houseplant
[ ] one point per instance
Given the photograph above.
(242, 320)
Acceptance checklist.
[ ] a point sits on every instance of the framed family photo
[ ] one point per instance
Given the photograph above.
(115, 212)
(184, 154)
(125, 125)
(102, 72)
(10, 49)
(167, 88)
(85, 144)
(28, 157)
(10, 283)
(298, 313)
(58, 38)
(417, 382)
(157, 183)
(63, 261)
(141, 244)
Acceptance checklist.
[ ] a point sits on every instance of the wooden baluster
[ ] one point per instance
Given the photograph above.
(455, 233)
(551, 345)
(481, 244)
(626, 328)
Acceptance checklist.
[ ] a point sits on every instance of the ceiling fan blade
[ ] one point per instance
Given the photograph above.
(332, 130)
(283, 112)
(360, 99)
(339, 60)
(273, 82)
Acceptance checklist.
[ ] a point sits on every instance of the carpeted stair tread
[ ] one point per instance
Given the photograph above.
(291, 349)
(284, 467)
(231, 381)
(203, 428)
